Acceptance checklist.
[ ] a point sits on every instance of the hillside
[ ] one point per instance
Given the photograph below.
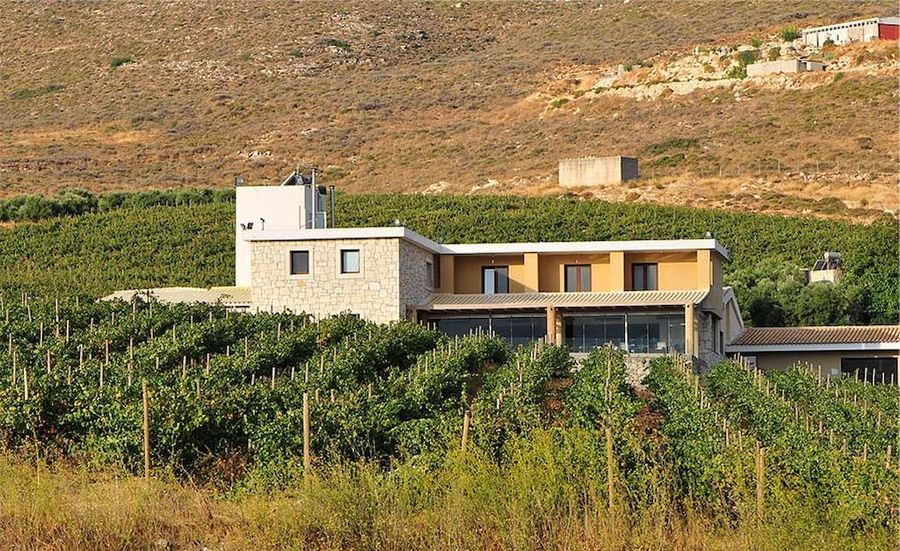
(449, 97)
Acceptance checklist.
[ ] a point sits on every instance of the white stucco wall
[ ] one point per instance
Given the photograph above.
(282, 207)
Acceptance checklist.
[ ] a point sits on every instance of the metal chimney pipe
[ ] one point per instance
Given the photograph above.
(312, 196)
(331, 194)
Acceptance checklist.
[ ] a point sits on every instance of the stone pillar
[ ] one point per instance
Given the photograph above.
(691, 343)
(551, 324)
(560, 329)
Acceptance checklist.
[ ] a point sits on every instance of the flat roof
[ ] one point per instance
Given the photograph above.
(399, 232)
(228, 296)
(614, 299)
(840, 25)
(822, 338)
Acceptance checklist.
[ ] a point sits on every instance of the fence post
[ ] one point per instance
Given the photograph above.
(760, 480)
(306, 458)
(610, 471)
(465, 432)
(146, 403)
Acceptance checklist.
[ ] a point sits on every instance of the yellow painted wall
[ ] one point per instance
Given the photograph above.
(553, 266)
(447, 274)
(609, 271)
(467, 272)
(675, 271)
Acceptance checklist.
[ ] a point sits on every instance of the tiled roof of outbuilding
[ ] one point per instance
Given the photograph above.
(858, 334)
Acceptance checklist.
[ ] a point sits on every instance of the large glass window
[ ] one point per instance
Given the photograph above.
(515, 329)
(299, 262)
(873, 370)
(643, 277)
(460, 327)
(578, 278)
(349, 261)
(646, 333)
(495, 280)
(582, 333)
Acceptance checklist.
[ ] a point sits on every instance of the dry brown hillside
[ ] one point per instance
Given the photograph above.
(443, 97)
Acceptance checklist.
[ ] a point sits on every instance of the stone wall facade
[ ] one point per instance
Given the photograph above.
(710, 354)
(391, 278)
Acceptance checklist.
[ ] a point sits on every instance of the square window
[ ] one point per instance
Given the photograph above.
(578, 278)
(299, 262)
(643, 277)
(349, 261)
(495, 280)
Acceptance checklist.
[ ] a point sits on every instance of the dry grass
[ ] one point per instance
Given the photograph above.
(395, 95)
(464, 505)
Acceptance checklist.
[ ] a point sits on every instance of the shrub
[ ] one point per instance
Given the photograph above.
(337, 43)
(747, 57)
(119, 61)
(559, 102)
(755, 42)
(297, 52)
(789, 34)
(773, 54)
(27, 93)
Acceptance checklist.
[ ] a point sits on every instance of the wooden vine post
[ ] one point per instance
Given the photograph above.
(146, 400)
(465, 432)
(760, 480)
(306, 458)
(610, 471)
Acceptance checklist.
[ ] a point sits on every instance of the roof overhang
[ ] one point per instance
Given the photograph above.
(549, 247)
(326, 234)
(227, 296)
(823, 347)
(443, 302)
(586, 247)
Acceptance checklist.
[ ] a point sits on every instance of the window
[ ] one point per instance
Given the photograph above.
(578, 278)
(643, 277)
(299, 262)
(495, 280)
(872, 370)
(436, 274)
(429, 274)
(349, 261)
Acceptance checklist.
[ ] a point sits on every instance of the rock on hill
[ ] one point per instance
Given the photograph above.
(436, 97)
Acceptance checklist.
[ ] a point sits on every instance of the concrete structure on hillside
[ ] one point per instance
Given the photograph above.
(783, 66)
(864, 352)
(595, 171)
(862, 30)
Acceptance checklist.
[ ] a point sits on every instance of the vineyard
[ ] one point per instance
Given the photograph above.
(156, 239)
(464, 441)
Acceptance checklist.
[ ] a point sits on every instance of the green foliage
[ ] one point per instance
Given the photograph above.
(125, 245)
(756, 42)
(559, 102)
(600, 396)
(118, 61)
(336, 43)
(854, 494)
(297, 52)
(695, 442)
(789, 34)
(28, 93)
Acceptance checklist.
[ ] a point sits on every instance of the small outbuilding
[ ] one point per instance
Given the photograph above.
(596, 171)
(867, 352)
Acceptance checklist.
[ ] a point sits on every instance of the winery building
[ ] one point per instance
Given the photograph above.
(647, 297)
